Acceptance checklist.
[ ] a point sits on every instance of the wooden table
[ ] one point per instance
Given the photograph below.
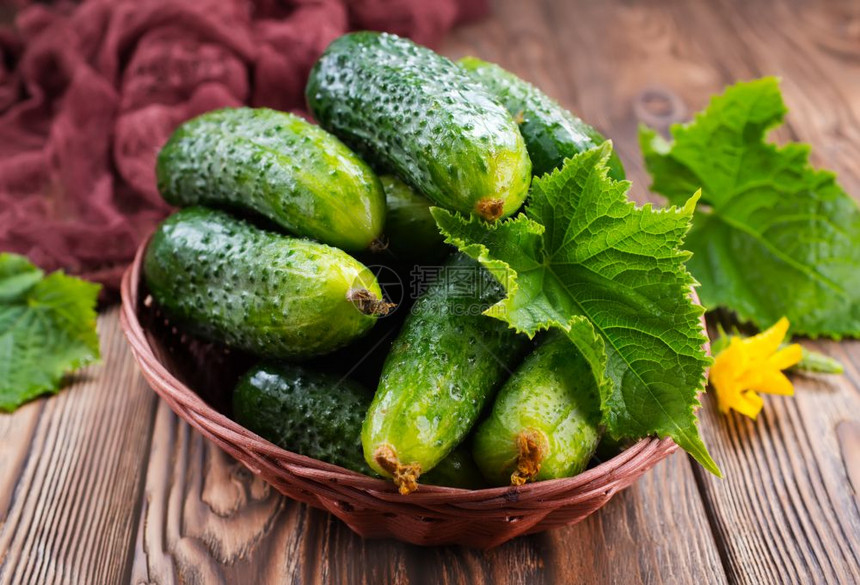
(102, 484)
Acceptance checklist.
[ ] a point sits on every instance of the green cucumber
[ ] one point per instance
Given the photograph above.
(410, 230)
(443, 367)
(415, 113)
(457, 470)
(545, 421)
(320, 415)
(305, 411)
(273, 295)
(552, 134)
(279, 166)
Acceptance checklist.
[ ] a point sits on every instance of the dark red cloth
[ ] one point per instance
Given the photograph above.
(89, 92)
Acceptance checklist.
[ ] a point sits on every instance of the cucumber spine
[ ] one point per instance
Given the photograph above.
(545, 420)
(279, 166)
(442, 369)
(414, 113)
(319, 415)
(552, 133)
(259, 291)
(305, 411)
(411, 233)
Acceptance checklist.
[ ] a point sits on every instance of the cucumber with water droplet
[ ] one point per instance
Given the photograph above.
(259, 291)
(277, 165)
(305, 411)
(552, 134)
(442, 369)
(456, 470)
(320, 415)
(416, 114)
(545, 420)
(411, 233)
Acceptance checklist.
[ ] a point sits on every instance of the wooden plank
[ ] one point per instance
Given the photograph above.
(656, 532)
(786, 511)
(635, 539)
(70, 473)
(207, 519)
(201, 511)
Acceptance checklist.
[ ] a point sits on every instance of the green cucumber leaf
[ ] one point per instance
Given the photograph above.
(586, 260)
(777, 238)
(47, 328)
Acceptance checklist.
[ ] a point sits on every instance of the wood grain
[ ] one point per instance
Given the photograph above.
(656, 533)
(103, 484)
(786, 511)
(72, 471)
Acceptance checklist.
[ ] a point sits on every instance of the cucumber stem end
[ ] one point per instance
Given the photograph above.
(405, 476)
(530, 444)
(378, 245)
(368, 303)
(490, 209)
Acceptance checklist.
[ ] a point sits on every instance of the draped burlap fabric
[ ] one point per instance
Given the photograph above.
(90, 91)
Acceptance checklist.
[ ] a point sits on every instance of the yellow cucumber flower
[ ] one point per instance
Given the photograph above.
(753, 364)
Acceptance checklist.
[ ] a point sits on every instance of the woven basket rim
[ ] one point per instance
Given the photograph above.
(607, 477)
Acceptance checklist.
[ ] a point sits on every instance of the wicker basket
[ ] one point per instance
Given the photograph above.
(371, 507)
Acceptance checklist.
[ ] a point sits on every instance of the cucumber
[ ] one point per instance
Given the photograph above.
(320, 415)
(410, 230)
(279, 166)
(552, 134)
(545, 421)
(457, 470)
(442, 369)
(273, 295)
(304, 411)
(415, 113)
(363, 358)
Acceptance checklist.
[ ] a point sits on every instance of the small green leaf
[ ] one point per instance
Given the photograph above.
(47, 328)
(17, 276)
(777, 237)
(586, 260)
